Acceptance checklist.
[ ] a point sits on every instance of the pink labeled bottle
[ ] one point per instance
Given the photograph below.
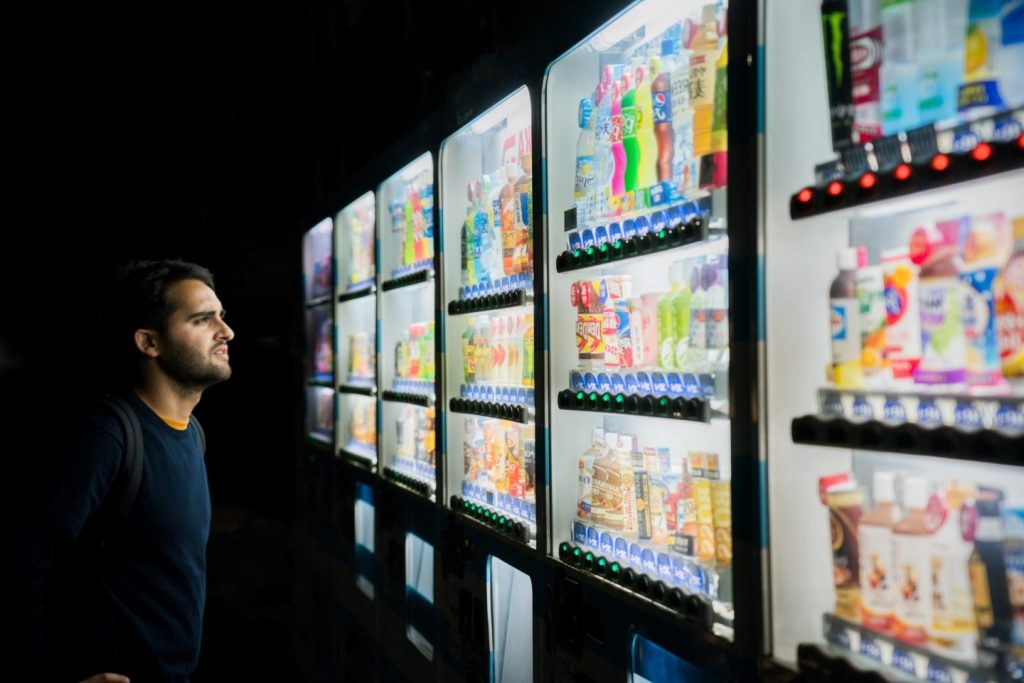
(877, 595)
(943, 345)
(618, 149)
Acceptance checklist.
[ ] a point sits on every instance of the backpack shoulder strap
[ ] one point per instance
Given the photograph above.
(122, 494)
(134, 453)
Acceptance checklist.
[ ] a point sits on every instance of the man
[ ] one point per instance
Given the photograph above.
(129, 605)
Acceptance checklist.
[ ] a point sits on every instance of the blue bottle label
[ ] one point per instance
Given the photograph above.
(928, 413)
(893, 410)
(862, 409)
(967, 415)
(1010, 416)
(636, 556)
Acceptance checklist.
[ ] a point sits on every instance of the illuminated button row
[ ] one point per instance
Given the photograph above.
(502, 411)
(678, 407)
(985, 445)
(492, 518)
(691, 232)
(417, 485)
(984, 159)
(695, 608)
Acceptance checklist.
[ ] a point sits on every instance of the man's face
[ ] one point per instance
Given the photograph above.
(194, 347)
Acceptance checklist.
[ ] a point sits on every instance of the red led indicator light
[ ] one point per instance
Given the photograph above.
(982, 152)
(1020, 141)
(805, 195)
(940, 162)
(867, 181)
(901, 172)
(835, 188)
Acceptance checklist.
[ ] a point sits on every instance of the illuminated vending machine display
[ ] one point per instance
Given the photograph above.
(408, 368)
(488, 290)
(636, 152)
(318, 291)
(894, 285)
(356, 343)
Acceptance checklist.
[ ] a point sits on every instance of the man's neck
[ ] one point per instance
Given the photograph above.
(166, 398)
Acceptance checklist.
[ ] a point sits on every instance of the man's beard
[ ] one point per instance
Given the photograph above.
(191, 370)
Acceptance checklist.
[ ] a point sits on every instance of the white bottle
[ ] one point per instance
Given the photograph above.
(953, 627)
(877, 587)
(911, 549)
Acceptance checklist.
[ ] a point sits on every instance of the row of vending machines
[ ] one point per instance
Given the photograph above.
(686, 348)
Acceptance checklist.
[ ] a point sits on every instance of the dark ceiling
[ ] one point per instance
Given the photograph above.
(207, 131)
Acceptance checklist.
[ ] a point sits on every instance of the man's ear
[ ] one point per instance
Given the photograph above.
(147, 342)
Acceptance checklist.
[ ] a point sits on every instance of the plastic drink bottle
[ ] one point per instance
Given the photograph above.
(666, 321)
(630, 143)
(681, 309)
(1010, 306)
(844, 319)
(583, 188)
(696, 355)
(662, 107)
(604, 163)
(866, 50)
(618, 149)
(646, 175)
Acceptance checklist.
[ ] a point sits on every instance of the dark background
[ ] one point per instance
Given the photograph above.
(211, 132)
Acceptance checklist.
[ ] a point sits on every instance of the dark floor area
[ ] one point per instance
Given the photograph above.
(249, 596)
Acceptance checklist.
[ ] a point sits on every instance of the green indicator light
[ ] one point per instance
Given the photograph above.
(661, 234)
(601, 562)
(606, 399)
(576, 552)
(593, 396)
(603, 247)
(580, 395)
(576, 253)
(663, 402)
(617, 244)
(590, 251)
(614, 568)
(589, 557)
(501, 520)
(620, 398)
(563, 548)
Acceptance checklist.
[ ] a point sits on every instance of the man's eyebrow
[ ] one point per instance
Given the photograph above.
(205, 314)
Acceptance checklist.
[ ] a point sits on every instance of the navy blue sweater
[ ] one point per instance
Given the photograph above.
(135, 605)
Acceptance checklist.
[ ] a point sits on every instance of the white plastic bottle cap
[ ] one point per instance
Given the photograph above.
(885, 487)
(915, 493)
(847, 259)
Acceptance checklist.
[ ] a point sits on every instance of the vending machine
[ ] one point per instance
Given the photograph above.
(649, 426)
(318, 292)
(489, 369)
(355, 314)
(314, 501)
(893, 252)
(407, 529)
